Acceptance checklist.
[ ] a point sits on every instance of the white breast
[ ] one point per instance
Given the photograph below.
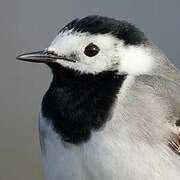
(64, 161)
(104, 157)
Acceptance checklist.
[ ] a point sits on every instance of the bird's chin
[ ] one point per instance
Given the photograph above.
(59, 69)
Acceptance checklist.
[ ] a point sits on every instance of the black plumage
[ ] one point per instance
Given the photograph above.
(75, 104)
(122, 30)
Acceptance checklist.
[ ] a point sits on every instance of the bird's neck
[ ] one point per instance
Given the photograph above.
(76, 103)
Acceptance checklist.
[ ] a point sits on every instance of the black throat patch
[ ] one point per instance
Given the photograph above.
(77, 104)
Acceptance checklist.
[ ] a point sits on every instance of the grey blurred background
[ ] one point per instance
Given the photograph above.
(28, 25)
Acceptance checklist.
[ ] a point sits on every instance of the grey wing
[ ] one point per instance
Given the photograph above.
(170, 91)
(174, 123)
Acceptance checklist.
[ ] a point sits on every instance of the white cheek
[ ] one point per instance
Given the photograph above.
(136, 60)
(100, 62)
(98, 65)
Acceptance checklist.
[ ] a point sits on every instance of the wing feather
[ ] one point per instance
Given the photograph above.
(168, 90)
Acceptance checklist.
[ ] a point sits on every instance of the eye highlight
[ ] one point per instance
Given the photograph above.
(91, 50)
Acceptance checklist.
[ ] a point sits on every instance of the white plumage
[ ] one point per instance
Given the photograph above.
(140, 137)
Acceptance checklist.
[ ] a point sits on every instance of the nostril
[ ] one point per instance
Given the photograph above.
(51, 53)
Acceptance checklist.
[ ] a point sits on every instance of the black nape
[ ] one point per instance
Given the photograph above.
(75, 104)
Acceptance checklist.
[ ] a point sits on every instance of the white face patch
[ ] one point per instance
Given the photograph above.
(113, 54)
(136, 60)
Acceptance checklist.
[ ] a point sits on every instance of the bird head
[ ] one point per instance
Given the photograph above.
(96, 44)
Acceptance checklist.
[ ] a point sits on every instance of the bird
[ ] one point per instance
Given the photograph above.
(112, 110)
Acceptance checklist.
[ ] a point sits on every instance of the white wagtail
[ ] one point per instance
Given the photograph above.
(112, 111)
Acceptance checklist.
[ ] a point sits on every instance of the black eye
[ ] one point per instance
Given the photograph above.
(91, 50)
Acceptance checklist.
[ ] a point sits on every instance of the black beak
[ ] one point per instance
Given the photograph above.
(41, 57)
